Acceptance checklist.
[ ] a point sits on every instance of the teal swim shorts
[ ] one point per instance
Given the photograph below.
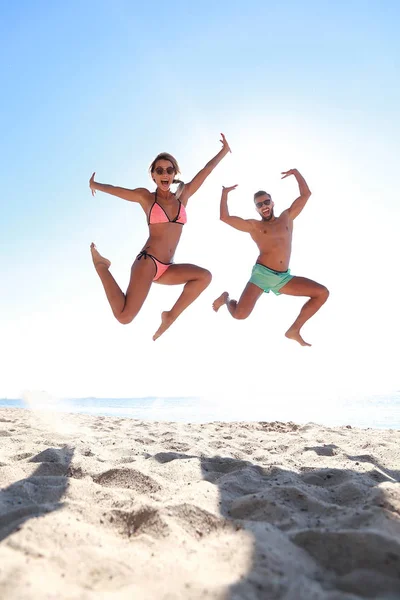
(269, 280)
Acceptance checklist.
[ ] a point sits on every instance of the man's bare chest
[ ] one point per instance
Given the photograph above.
(278, 230)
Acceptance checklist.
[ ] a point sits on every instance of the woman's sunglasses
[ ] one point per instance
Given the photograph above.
(267, 202)
(168, 170)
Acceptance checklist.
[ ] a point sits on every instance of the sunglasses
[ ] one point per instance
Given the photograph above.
(168, 170)
(267, 202)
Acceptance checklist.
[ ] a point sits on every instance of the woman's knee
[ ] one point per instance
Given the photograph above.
(125, 318)
(206, 277)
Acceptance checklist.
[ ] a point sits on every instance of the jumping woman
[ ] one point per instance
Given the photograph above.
(166, 215)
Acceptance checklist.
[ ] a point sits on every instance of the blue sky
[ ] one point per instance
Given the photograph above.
(106, 86)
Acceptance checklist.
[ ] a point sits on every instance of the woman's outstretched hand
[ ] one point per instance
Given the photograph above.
(225, 144)
(226, 190)
(91, 184)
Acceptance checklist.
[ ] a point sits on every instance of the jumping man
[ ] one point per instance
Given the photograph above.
(273, 236)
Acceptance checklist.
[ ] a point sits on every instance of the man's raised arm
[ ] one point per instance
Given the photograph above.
(305, 193)
(236, 222)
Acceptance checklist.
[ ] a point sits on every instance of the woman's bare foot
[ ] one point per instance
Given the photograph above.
(294, 334)
(220, 301)
(166, 321)
(98, 259)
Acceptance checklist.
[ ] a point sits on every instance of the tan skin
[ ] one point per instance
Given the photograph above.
(273, 236)
(162, 243)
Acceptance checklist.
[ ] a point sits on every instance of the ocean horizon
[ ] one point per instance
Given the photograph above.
(379, 411)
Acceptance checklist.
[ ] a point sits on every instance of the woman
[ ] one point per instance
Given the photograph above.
(166, 216)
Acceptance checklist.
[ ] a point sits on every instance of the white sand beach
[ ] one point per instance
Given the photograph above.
(101, 507)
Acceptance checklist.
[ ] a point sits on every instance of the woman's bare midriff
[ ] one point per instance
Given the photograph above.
(163, 241)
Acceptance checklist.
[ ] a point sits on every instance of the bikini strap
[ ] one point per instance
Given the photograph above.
(179, 212)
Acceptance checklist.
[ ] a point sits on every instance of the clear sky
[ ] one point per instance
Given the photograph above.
(105, 86)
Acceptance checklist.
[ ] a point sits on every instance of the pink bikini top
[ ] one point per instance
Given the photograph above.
(158, 215)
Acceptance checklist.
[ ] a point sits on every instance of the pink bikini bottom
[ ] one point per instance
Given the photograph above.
(160, 266)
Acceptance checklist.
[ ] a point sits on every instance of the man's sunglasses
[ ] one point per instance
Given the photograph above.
(267, 202)
(161, 171)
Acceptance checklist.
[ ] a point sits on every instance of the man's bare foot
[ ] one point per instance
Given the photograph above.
(294, 334)
(220, 301)
(166, 321)
(98, 259)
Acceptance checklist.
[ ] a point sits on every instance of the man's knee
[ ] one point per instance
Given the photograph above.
(241, 313)
(324, 293)
(320, 293)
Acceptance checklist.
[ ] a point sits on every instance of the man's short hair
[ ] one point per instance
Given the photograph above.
(261, 193)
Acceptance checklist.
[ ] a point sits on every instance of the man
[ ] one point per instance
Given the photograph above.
(273, 236)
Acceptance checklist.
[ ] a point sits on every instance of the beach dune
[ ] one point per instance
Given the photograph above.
(103, 507)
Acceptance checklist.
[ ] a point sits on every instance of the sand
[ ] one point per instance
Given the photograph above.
(100, 507)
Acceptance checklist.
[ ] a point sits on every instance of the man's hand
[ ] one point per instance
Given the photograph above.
(288, 173)
(225, 145)
(92, 184)
(300, 202)
(228, 189)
